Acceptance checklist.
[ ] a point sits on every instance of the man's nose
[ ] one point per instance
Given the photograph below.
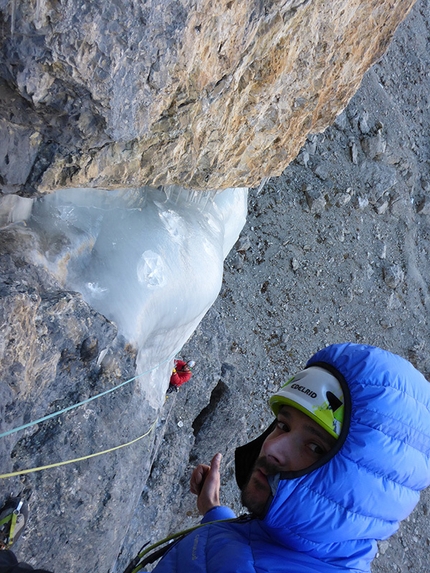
(278, 449)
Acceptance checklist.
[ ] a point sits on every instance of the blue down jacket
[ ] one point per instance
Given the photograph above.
(327, 518)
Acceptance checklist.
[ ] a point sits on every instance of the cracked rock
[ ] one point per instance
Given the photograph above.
(393, 276)
(374, 147)
(315, 199)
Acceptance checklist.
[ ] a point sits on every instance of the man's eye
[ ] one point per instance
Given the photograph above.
(317, 449)
(283, 426)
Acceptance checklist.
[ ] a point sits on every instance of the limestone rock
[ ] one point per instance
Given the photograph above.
(374, 146)
(203, 94)
(315, 199)
(393, 276)
(50, 362)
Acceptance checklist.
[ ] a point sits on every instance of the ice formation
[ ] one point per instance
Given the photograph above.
(150, 260)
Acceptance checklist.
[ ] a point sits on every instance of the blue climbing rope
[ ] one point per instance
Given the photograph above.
(59, 412)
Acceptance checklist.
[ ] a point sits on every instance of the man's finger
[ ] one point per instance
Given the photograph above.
(198, 477)
(216, 462)
(209, 491)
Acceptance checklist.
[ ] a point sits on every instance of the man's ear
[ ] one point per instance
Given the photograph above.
(246, 456)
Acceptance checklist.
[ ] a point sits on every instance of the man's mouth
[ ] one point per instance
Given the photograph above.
(261, 475)
(266, 468)
(259, 480)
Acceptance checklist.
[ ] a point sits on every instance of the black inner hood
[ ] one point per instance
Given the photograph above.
(246, 456)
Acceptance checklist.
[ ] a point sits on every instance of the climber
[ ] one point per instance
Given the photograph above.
(337, 470)
(181, 373)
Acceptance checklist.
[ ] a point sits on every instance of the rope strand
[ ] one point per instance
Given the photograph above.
(58, 464)
(55, 414)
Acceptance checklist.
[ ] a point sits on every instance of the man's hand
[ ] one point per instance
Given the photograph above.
(205, 484)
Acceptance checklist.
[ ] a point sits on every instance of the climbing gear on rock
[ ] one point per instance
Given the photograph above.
(13, 518)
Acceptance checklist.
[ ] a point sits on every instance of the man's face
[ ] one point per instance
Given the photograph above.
(296, 443)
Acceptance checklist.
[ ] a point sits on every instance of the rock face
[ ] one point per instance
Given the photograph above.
(203, 94)
(336, 249)
(49, 349)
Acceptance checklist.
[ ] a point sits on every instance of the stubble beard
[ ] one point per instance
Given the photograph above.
(256, 494)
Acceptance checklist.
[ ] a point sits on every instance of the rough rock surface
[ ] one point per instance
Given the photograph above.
(49, 346)
(207, 95)
(335, 249)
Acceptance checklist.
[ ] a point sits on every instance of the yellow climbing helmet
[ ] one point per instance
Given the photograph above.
(316, 393)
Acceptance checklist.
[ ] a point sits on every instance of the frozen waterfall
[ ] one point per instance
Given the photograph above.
(150, 260)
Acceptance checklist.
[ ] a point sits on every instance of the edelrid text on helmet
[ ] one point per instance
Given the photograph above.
(305, 390)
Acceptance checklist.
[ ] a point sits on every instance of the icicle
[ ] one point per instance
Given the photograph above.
(12, 17)
(262, 184)
(173, 193)
(179, 195)
(40, 5)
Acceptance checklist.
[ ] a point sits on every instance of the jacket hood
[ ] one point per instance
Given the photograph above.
(358, 493)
